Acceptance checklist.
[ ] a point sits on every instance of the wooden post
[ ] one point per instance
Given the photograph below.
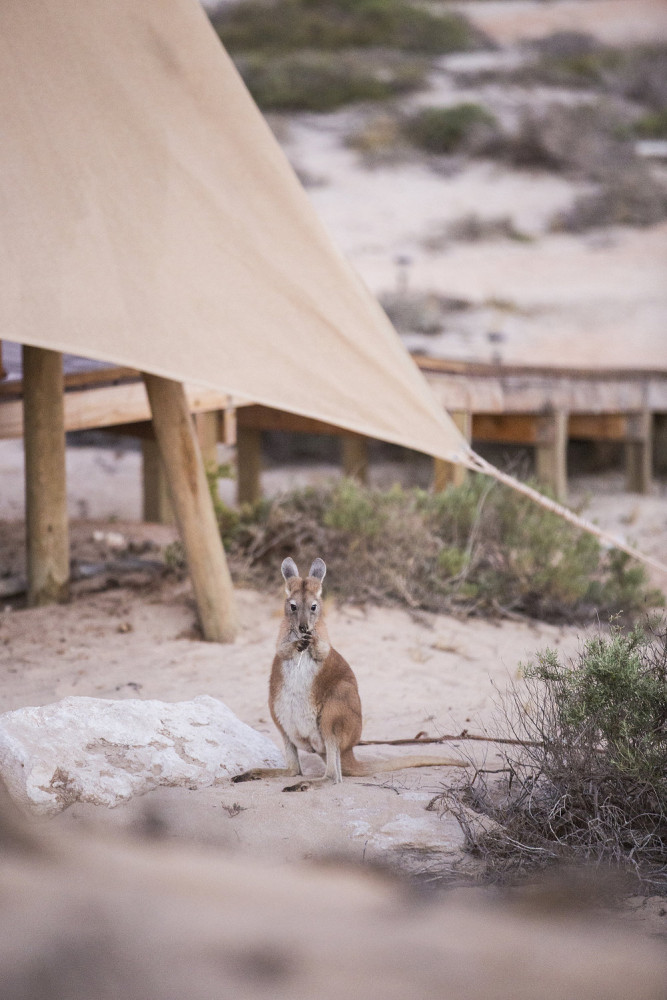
(551, 452)
(355, 457)
(47, 535)
(638, 453)
(228, 429)
(207, 425)
(193, 507)
(248, 464)
(449, 473)
(660, 442)
(157, 508)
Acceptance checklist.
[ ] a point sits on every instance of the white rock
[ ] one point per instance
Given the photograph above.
(104, 752)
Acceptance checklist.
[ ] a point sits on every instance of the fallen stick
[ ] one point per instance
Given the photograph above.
(463, 735)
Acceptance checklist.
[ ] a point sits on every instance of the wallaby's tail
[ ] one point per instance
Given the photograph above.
(353, 768)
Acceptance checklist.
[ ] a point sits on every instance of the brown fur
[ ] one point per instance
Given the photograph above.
(318, 708)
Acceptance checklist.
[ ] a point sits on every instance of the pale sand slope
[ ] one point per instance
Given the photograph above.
(599, 299)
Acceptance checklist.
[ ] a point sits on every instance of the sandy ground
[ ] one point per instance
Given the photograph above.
(432, 673)
(137, 638)
(435, 675)
(613, 21)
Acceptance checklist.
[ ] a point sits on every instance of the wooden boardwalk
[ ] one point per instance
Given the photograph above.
(542, 408)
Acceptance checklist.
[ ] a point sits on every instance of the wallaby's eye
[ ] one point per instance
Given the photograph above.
(313, 607)
(292, 605)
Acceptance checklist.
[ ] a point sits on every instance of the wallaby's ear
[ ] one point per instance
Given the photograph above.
(288, 570)
(318, 569)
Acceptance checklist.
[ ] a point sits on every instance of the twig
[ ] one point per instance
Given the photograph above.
(464, 735)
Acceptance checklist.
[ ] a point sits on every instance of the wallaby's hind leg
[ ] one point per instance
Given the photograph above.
(293, 767)
(332, 775)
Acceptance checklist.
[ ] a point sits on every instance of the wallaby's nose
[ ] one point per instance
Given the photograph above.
(303, 628)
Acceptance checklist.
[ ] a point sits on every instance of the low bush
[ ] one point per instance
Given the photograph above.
(633, 198)
(379, 140)
(288, 25)
(589, 780)
(637, 72)
(309, 80)
(448, 130)
(652, 125)
(589, 141)
(477, 548)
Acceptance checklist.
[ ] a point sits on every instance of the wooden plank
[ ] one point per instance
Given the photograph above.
(500, 392)
(598, 427)
(107, 406)
(193, 507)
(506, 428)
(47, 533)
(448, 473)
(265, 418)
(427, 363)
(91, 379)
(354, 453)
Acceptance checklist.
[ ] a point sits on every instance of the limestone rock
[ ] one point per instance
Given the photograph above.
(104, 752)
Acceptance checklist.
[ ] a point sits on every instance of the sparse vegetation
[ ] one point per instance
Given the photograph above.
(315, 81)
(380, 140)
(472, 228)
(329, 25)
(652, 125)
(317, 55)
(589, 782)
(586, 140)
(633, 198)
(478, 548)
(449, 129)
(416, 312)
(589, 142)
(637, 72)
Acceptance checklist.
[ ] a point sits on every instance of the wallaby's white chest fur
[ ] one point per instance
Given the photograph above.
(294, 706)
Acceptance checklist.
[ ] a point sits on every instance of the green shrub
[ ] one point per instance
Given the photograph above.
(286, 25)
(589, 780)
(615, 693)
(319, 81)
(652, 125)
(479, 548)
(352, 511)
(446, 130)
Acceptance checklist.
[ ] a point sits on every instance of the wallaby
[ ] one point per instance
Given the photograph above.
(313, 693)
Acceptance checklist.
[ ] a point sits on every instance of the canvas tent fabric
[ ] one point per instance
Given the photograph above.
(150, 219)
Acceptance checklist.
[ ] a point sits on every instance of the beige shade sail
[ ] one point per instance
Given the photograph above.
(150, 219)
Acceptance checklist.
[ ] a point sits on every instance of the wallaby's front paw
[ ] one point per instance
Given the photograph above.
(301, 786)
(247, 776)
